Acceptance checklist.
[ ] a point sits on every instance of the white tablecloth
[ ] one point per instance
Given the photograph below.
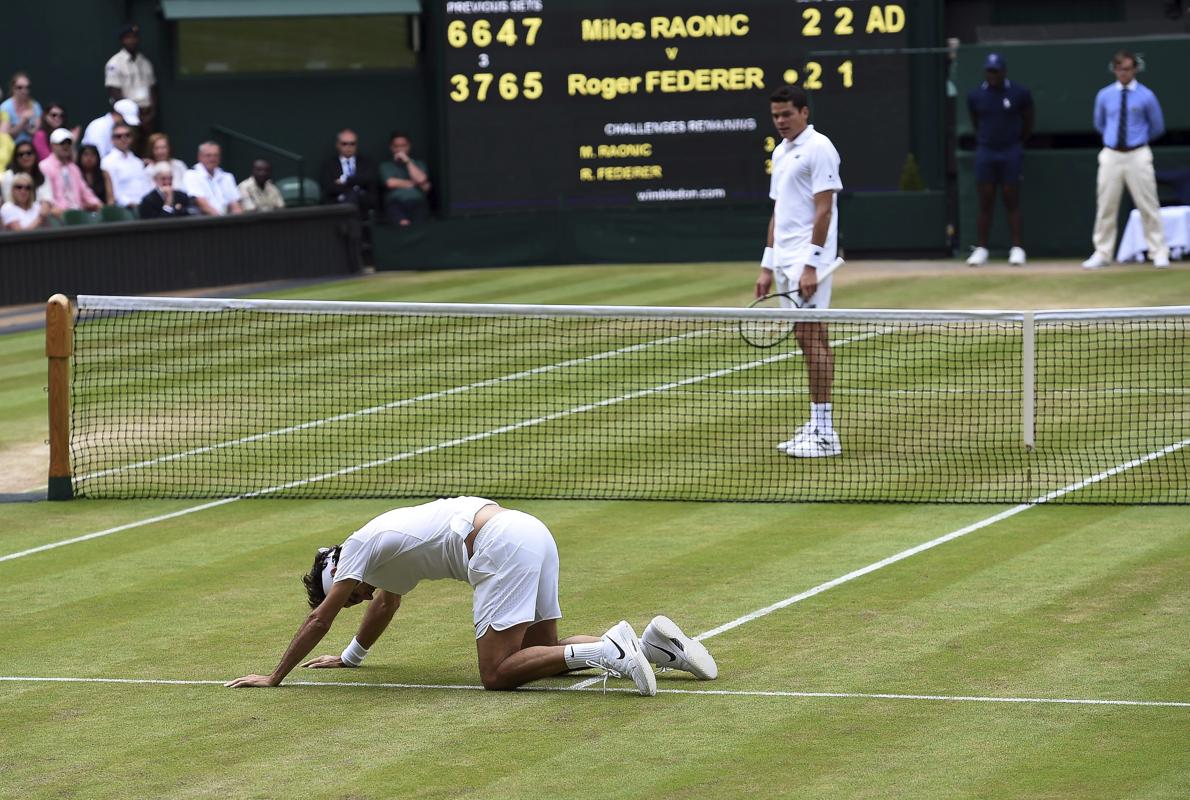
(1177, 234)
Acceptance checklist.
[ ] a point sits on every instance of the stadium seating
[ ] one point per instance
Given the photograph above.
(76, 216)
(289, 188)
(116, 214)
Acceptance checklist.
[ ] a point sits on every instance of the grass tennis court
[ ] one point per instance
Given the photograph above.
(1044, 604)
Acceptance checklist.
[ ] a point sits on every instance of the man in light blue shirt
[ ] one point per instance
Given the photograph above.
(1128, 117)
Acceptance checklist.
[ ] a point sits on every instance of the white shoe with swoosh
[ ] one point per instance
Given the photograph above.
(666, 646)
(622, 657)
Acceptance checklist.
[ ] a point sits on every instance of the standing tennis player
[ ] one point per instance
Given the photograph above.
(803, 238)
(511, 562)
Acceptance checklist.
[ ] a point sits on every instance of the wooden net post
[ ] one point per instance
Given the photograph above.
(59, 345)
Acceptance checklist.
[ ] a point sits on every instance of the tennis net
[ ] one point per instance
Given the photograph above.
(192, 398)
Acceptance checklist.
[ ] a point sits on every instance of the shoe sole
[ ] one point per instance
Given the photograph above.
(702, 663)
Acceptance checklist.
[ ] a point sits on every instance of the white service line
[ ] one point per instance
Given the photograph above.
(912, 551)
(439, 446)
(620, 690)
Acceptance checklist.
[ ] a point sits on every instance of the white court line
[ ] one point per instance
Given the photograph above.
(1003, 515)
(439, 446)
(619, 690)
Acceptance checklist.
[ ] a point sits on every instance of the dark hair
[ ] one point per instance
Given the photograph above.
(791, 94)
(401, 134)
(1121, 55)
(34, 169)
(312, 580)
(45, 120)
(88, 148)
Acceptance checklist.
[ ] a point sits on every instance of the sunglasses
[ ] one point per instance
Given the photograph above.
(121, 135)
(348, 144)
(21, 86)
(53, 113)
(24, 153)
(24, 186)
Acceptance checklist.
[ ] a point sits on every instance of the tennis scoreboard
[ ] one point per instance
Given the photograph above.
(618, 103)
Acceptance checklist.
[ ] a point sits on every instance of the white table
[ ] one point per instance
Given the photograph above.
(1176, 220)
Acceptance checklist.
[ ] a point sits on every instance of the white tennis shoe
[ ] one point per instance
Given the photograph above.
(802, 434)
(1096, 261)
(666, 646)
(978, 257)
(819, 444)
(622, 657)
(1016, 257)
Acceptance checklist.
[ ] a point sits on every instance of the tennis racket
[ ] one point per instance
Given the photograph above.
(771, 332)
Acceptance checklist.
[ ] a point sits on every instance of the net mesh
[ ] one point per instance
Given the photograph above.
(195, 399)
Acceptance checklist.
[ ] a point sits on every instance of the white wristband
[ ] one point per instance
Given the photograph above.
(817, 258)
(766, 260)
(354, 654)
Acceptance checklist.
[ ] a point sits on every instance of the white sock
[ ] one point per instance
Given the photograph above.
(577, 655)
(820, 415)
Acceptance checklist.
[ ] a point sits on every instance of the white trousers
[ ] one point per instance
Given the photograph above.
(1133, 169)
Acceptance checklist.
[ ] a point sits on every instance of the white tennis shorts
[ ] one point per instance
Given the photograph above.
(787, 279)
(514, 571)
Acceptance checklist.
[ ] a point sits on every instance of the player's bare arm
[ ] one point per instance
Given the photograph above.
(764, 281)
(376, 620)
(312, 631)
(822, 224)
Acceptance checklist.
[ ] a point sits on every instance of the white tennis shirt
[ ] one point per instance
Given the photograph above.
(401, 547)
(801, 169)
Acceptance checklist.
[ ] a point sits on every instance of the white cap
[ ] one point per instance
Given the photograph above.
(61, 135)
(129, 110)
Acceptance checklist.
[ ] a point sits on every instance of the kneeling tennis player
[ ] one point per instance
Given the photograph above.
(511, 562)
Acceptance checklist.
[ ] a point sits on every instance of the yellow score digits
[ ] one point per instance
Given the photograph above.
(881, 19)
(510, 86)
(482, 33)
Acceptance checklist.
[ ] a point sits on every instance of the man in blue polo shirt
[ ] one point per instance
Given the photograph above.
(1002, 116)
(1128, 117)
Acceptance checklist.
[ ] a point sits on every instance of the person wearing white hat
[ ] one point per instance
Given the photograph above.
(69, 188)
(511, 561)
(99, 131)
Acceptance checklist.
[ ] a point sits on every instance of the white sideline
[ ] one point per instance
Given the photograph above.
(619, 690)
(441, 445)
(912, 551)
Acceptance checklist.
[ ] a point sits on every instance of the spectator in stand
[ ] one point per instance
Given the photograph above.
(24, 162)
(99, 131)
(24, 213)
(348, 177)
(160, 152)
(54, 118)
(258, 193)
(214, 191)
(70, 191)
(406, 182)
(164, 201)
(24, 113)
(129, 182)
(95, 176)
(129, 75)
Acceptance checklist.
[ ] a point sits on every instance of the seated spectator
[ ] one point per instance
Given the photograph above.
(24, 162)
(95, 176)
(99, 131)
(214, 191)
(164, 201)
(24, 113)
(62, 175)
(24, 213)
(129, 75)
(258, 193)
(54, 118)
(160, 151)
(129, 182)
(349, 178)
(406, 183)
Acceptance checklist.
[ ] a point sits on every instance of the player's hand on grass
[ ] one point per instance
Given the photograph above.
(326, 662)
(250, 681)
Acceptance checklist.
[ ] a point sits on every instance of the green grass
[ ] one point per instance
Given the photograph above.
(1054, 602)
